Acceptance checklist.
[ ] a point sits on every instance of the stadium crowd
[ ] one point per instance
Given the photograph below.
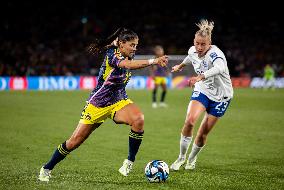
(44, 38)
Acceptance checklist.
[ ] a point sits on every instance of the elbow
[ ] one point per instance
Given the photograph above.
(222, 70)
(219, 69)
(220, 66)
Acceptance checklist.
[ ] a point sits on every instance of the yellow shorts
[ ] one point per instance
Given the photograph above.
(92, 114)
(160, 80)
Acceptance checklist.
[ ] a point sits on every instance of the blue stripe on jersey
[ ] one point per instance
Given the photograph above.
(217, 58)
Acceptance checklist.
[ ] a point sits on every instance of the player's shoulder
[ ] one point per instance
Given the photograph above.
(113, 51)
(214, 52)
(191, 50)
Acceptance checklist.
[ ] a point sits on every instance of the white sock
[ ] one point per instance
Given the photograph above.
(184, 144)
(194, 151)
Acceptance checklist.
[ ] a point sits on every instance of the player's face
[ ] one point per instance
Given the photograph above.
(128, 48)
(159, 51)
(202, 44)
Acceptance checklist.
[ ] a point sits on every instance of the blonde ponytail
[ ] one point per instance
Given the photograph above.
(205, 28)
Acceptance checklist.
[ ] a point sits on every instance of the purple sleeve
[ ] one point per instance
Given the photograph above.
(115, 59)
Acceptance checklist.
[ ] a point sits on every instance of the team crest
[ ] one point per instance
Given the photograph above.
(204, 65)
(213, 55)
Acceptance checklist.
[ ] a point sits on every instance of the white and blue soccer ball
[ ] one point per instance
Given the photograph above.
(157, 171)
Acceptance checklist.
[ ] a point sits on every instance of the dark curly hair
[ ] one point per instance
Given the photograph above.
(122, 34)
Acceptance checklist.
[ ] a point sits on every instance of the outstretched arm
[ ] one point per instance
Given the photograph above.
(218, 68)
(179, 67)
(137, 64)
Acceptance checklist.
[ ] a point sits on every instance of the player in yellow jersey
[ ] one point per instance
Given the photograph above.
(109, 99)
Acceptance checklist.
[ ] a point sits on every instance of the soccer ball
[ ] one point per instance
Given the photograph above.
(157, 171)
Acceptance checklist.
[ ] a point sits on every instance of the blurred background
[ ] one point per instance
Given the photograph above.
(49, 38)
(43, 56)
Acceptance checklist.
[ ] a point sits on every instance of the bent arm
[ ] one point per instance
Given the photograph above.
(219, 67)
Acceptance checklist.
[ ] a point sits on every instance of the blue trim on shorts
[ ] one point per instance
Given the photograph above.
(216, 109)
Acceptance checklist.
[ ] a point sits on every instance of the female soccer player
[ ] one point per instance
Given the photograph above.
(159, 75)
(109, 99)
(212, 92)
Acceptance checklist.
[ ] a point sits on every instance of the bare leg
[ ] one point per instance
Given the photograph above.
(206, 126)
(132, 116)
(194, 110)
(164, 92)
(80, 134)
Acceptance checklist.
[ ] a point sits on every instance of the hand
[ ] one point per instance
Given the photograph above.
(176, 68)
(162, 61)
(193, 80)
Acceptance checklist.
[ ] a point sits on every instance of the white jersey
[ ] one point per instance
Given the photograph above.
(217, 85)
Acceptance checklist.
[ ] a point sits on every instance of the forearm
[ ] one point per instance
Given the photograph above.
(218, 68)
(211, 72)
(178, 67)
(186, 60)
(182, 65)
(134, 64)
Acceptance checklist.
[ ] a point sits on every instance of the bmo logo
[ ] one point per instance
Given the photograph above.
(18, 83)
(88, 83)
(58, 83)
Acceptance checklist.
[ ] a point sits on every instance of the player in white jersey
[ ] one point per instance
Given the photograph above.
(212, 92)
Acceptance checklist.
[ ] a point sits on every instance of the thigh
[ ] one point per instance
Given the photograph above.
(164, 85)
(127, 114)
(198, 104)
(156, 86)
(194, 110)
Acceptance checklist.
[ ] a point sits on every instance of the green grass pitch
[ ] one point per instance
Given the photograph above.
(245, 150)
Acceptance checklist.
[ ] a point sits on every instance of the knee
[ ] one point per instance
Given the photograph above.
(138, 123)
(190, 121)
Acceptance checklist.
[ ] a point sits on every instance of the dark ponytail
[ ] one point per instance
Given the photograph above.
(97, 46)
(122, 34)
